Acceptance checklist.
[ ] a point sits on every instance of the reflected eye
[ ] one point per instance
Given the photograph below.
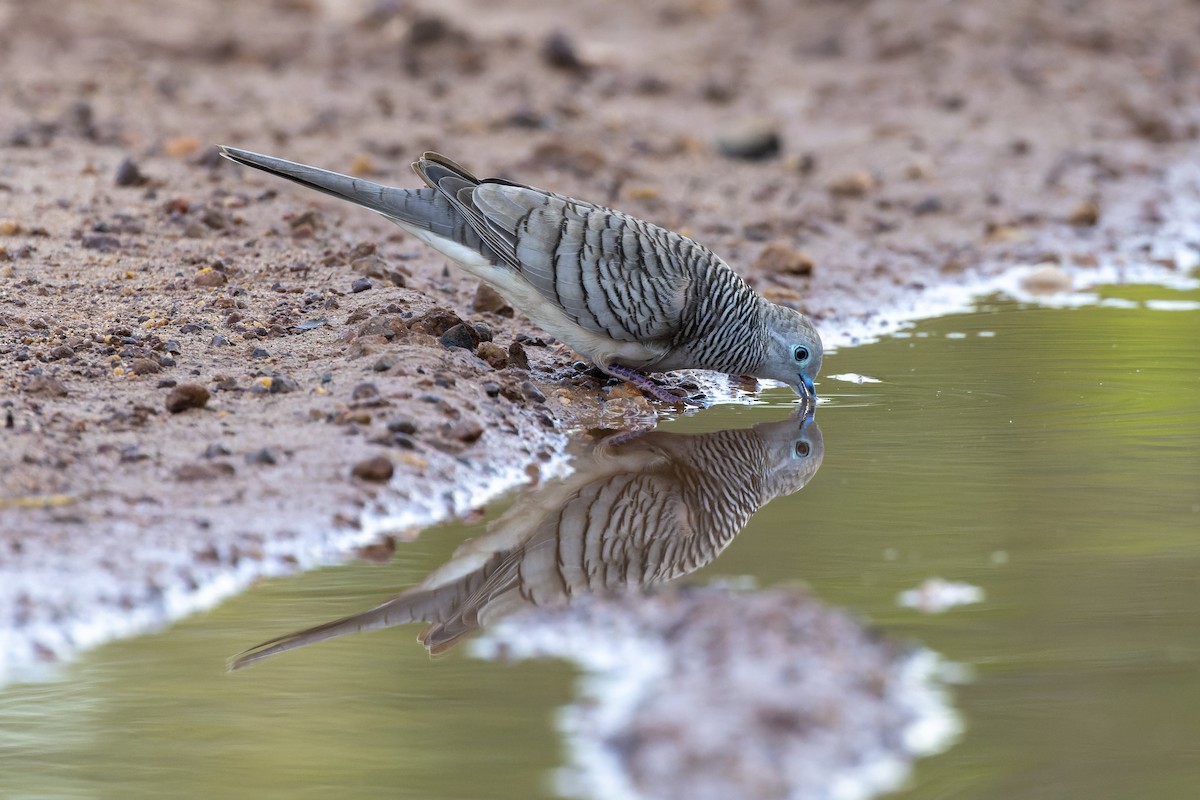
(802, 449)
(800, 353)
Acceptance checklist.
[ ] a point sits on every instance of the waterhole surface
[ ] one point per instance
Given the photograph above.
(1046, 459)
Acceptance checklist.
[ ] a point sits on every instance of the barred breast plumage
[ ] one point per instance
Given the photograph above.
(631, 515)
(624, 293)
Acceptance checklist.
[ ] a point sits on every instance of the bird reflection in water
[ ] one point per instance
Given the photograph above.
(635, 512)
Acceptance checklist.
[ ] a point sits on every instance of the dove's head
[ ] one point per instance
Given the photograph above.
(794, 451)
(794, 350)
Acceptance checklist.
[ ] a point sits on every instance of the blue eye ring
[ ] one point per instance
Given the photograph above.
(800, 353)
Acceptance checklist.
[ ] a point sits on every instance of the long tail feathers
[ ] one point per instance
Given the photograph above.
(386, 200)
(397, 611)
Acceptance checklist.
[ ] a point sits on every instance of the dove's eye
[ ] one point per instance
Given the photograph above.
(802, 449)
(800, 353)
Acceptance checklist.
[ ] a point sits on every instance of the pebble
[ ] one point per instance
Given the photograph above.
(780, 257)
(384, 363)
(929, 205)
(377, 469)
(146, 366)
(517, 357)
(493, 354)
(128, 174)
(402, 425)
(360, 285)
(488, 301)
(461, 335)
(1085, 215)
(209, 278)
(852, 184)
(100, 241)
(467, 431)
(282, 384)
(754, 141)
(559, 51)
(1046, 279)
(482, 331)
(435, 321)
(185, 396)
(45, 385)
(263, 456)
(366, 393)
(532, 392)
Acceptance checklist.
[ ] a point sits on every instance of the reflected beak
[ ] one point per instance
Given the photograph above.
(808, 396)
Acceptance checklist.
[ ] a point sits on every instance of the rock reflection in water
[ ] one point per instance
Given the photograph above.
(635, 512)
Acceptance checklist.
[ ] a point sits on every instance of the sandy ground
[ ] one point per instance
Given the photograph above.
(897, 148)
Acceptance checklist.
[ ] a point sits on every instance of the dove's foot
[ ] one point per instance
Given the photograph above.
(647, 386)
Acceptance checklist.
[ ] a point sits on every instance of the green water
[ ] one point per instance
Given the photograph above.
(1049, 457)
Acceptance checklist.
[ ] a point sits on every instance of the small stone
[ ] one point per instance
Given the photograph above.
(259, 352)
(377, 469)
(360, 285)
(461, 335)
(264, 457)
(402, 425)
(365, 393)
(61, 352)
(220, 340)
(532, 392)
(435, 322)
(779, 257)
(100, 241)
(190, 473)
(45, 385)
(852, 184)
(185, 396)
(754, 141)
(1085, 215)
(10, 227)
(146, 366)
(489, 301)
(559, 51)
(929, 205)
(384, 363)
(466, 431)
(482, 331)
(128, 174)
(493, 354)
(1046, 278)
(517, 357)
(282, 384)
(215, 219)
(209, 277)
